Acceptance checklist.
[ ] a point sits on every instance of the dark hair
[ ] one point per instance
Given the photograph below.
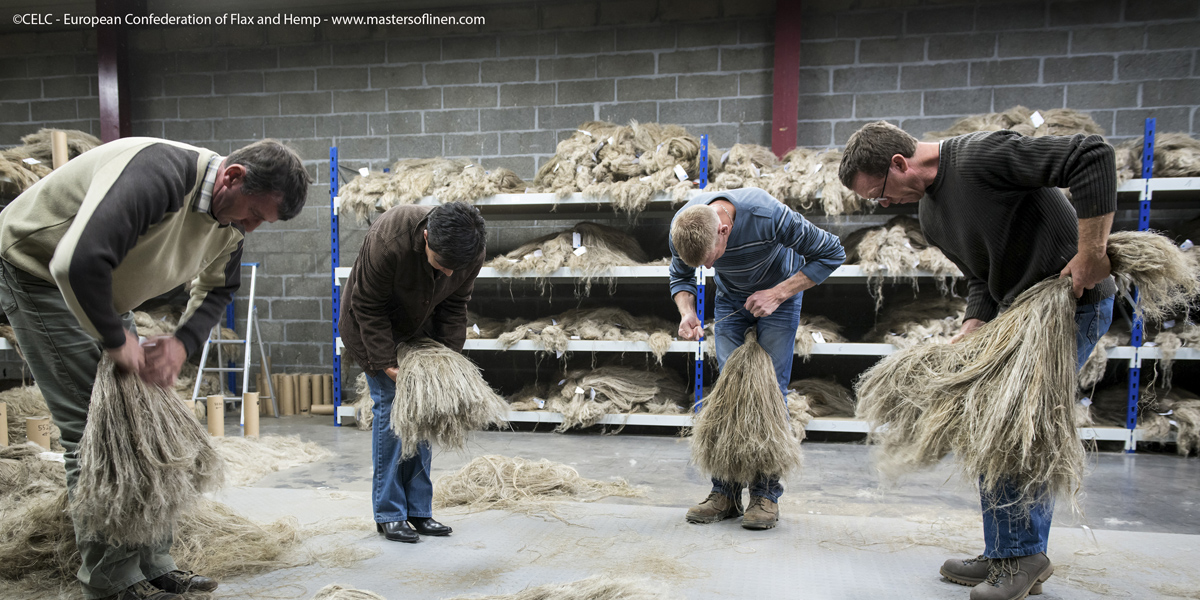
(273, 167)
(871, 148)
(457, 234)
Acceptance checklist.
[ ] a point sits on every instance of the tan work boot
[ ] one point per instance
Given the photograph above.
(1013, 578)
(763, 513)
(973, 571)
(716, 507)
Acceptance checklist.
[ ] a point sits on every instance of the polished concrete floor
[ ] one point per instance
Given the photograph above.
(842, 534)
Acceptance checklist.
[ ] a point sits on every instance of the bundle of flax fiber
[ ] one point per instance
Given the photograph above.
(824, 397)
(411, 179)
(1175, 155)
(1056, 121)
(599, 248)
(1109, 407)
(1002, 398)
(337, 591)
(587, 395)
(815, 329)
(897, 250)
(440, 396)
(248, 459)
(924, 320)
(607, 324)
(517, 484)
(592, 588)
(1169, 341)
(742, 432)
(808, 180)
(144, 461)
(745, 165)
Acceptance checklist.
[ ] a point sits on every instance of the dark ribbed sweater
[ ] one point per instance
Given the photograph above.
(996, 211)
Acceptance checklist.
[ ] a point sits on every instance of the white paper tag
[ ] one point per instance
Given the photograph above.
(537, 253)
(593, 394)
(539, 402)
(364, 171)
(578, 390)
(580, 251)
(1085, 401)
(817, 167)
(31, 161)
(644, 178)
(553, 321)
(725, 157)
(576, 239)
(1168, 324)
(575, 337)
(1168, 413)
(1036, 119)
(818, 338)
(1173, 423)
(680, 173)
(611, 141)
(757, 171)
(1150, 344)
(53, 456)
(476, 328)
(587, 133)
(1186, 245)
(558, 354)
(562, 382)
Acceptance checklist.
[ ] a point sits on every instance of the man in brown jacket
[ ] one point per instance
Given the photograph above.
(413, 278)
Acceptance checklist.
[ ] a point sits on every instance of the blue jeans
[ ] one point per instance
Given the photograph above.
(777, 335)
(399, 489)
(1006, 531)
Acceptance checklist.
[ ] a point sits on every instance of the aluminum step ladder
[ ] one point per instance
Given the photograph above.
(215, 340)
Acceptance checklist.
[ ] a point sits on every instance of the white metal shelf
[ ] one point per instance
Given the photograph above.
(578, 346)
(843, 274)
(4, 345)
(544, 202)
(1161, 184)
(1151, 352)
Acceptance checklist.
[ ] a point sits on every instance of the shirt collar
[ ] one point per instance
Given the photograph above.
(206, 188)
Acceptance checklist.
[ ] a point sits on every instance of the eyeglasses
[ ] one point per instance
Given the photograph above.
(881, 190)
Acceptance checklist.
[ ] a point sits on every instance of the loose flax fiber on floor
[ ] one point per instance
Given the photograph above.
(518, 484)
(593, 588)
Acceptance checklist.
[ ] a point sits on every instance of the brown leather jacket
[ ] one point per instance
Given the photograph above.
(393, 294)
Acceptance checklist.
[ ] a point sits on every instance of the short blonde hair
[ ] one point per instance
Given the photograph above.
(694, 234)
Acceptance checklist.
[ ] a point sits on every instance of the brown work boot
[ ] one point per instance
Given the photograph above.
(973, 571)
(142, 590)
(716, 507)
(1013, 578)
(763, 513)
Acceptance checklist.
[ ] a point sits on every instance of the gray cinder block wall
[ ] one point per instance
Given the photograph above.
(503, 94)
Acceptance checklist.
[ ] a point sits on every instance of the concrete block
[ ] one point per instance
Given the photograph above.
(527, 94)
(473, 144)
(1166, 92)
(1102, 95)
(812, 81)
(659, 37)
(627, 12)
(858, 24)
(550, 69)
(364, 148)
(689, 111)
(1172, 35)
(825, 106)
(1005, 72)
(188, 85)
(1040, 97)
(254, 106)
(865, 79)
(313, 150)
(1006, 16)
(688, 61)
(748, 8)
(413, 51)
(451, 121)
(66, 87)
(249, 128)
(527, 142)
(44, 66)
(259, 59)
(627, 111)
(14, 112)
(354, 101)
(818, 26)
(289, 127)
(342, 78)
(338, 126)
(14, 68)
(206, 107)
(530, 44)
(640, 88)
(1032, 43)
(469, 96)
(451, 73)
(1132, 122)
(311, 103)
(918, 127)
(1078, 68)
(507, 119)
(311, 332)
(393, 123)
(962, 46)
(85, 64)
(1095, 40)
(508, 71)
(693, 35)
(711, 86)
(290, 81)
(872, 106)
(396, 76)
(759, 31)
(156, 64)
(88, 108)
(743, 110)
(569, 117)
(155, 108)
(240, 82)
(414, 99)
(188, 130)
(925, 77)
(1085, 12)
(958, 102)
(569, 16)
(468, 47)
(1154, 65)
(200, 62)
(593, 42)
(838, 52)
(688, 10)
(842, 130)
(415, 146)
(291, 35)
(313, 55)
(583, 92)
(307, 286)
(625, 65)
(1161, 10)
(891, 50)
(187, 37)
(240, 37)
(939, 20)
(293, 309)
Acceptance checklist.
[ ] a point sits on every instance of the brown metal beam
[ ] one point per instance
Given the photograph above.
(112, 54)
(785, 107)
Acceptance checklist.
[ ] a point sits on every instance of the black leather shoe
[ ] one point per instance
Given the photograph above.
(427, 526)
(398, 531)
(182, 582)
(142, 590)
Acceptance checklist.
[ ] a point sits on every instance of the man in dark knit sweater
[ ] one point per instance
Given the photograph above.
(990, 201)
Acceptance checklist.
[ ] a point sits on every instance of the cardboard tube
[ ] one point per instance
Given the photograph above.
(37, 429)
(287, 404)
(250, 406)
(58, 148)
(327, 380)
(305, 393)
(322, 409)
(3, 421)
(277, 381)
(318, 390)
(216, 415)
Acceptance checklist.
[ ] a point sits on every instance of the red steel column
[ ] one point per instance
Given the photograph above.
(112, 57)
(785, 108)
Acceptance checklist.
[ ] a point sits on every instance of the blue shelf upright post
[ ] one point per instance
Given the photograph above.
(337, 296)
(703, 183)
(1135, 368)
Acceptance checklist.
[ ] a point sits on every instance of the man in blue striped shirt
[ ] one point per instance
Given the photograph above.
(765, 256)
